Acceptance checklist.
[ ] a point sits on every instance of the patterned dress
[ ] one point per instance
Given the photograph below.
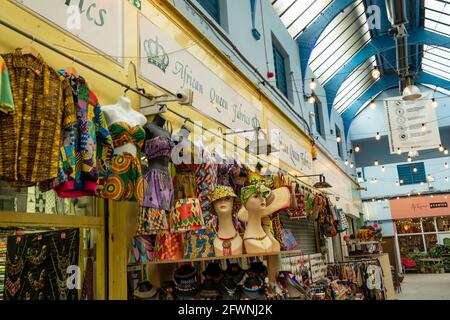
(125, 182)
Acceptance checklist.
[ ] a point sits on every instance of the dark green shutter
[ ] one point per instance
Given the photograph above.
(280, 71)
(212, 7)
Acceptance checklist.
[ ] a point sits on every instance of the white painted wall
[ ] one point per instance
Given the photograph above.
(379, 212)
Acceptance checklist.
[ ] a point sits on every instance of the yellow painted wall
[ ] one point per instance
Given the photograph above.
(163, 14)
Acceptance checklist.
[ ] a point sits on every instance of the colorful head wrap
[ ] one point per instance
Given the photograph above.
(258, 188)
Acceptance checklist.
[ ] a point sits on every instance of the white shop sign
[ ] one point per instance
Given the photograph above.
(167, 64)
(99, 23)
(405, 119)
(290, 152)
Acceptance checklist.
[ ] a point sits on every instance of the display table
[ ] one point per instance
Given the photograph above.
(162, 270)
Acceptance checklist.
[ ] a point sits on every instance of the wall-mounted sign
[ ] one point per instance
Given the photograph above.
(290, 152)
(412, 124)
(435, 205)
(170, 66)
(419, 207)
(99, 23)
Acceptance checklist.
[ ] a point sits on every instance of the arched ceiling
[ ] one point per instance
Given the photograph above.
(335, 40)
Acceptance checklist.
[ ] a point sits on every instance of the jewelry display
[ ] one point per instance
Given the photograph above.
(63, 262)
(12, 287)
(226, 244)
(16, 267)
(37, 259)
(37, 285)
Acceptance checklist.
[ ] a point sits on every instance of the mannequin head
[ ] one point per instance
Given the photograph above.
(256, 202)
(224, 205)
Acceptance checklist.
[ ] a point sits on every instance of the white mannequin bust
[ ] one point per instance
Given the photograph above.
(266, 226)
(259, 239)
(256, 239)
(226, 233)
(123, 112)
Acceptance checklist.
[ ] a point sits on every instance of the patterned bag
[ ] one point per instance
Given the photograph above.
(199, 244)
(142, 250)
(187, 215)
(169, 246)
(276, 226)
(288, 241)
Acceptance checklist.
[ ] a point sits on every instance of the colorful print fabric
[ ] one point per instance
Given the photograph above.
(169, 246)
(187, 215)
(86, 154)
(30, 139)
(6, 97)
(158, 189)
(125, 182)
(199, 244)
(151, 221)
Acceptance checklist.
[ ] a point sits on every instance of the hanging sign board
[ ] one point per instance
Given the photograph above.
(290, 152)
(99, 23)
(170, 66)
(405, 119)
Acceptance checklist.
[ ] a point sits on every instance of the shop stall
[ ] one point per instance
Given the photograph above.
(136, 162)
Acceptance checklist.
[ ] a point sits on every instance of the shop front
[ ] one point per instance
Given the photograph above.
(421, 224)
(152, 128)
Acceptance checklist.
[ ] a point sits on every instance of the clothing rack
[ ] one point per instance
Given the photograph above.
(138, 92)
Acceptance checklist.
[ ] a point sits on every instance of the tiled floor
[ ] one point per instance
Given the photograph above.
(425, 287)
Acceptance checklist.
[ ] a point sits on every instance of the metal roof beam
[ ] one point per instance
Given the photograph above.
(378, 45)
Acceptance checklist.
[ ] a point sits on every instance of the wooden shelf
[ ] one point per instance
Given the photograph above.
(364, 242)
(225, 257)
(362, 256)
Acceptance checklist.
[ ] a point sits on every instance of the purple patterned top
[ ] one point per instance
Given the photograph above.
(158, 147)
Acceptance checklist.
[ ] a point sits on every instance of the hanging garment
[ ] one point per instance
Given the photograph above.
(6, 97)
(158, 187)
(373, 277)
(30, 138)
(125, 183)
(206, 178)
(86, 154)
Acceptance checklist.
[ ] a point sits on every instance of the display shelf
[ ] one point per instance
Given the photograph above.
(362, 256)
(248, 255)
(364, 242)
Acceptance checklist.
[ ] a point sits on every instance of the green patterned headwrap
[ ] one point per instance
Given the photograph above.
(250, 190)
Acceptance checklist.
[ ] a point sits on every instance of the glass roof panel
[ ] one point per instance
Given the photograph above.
(355, 85)
(437, 16)
(438, 89)
(296, 15)
(340, 40)
(436, 60)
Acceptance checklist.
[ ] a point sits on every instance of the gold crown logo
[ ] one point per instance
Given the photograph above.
(156, 54)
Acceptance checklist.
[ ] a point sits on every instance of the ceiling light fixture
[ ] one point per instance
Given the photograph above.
(338, 139)
(409, 159)
(352, 165)
(376, 74)
(424, 127)
(434, 103)
(322, 184)
(446, 165)
(313, 84)
(382, 168)
(311, 99)
(357, 148)
(375, 162)
(377, 136)
(372, 105)
(411, 91)
(441, 148)
(414, 169)
(346, 162)
(445, 151)
(399, 151)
